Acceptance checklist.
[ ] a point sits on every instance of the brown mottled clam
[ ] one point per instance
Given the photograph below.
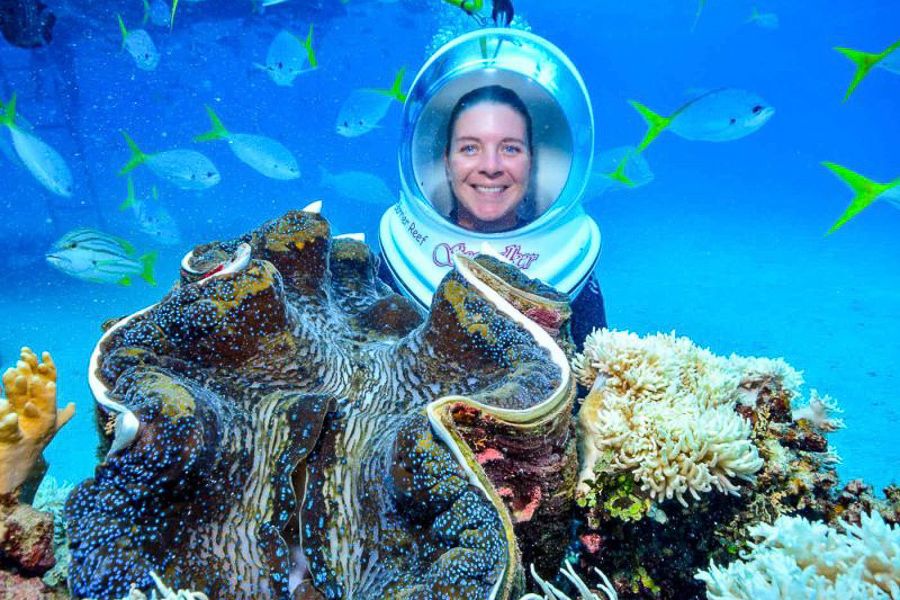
(283, 425)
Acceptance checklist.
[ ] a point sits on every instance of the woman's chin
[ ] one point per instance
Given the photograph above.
(495, 222)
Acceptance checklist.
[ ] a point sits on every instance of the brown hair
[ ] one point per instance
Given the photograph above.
(496, 94)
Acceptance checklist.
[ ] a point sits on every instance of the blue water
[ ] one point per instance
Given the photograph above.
(725, 246)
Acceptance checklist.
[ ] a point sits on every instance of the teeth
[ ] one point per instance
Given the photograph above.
(359, 237)
(491, 190)
(313, 207)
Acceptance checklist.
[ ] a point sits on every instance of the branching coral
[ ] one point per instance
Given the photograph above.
(796, 558)
(28, 417)
(663, 410)
(551, 592)
(754, 370)
(165, 592)
(819, 412)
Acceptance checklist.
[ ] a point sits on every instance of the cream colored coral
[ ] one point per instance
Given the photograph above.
(818, 411)
(663, 410)
(796, 558)
(28, 416)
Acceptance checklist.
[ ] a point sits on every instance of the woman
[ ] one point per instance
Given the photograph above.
(488, 159)
(493, 154)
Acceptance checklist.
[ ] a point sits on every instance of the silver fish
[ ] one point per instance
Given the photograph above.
(618, 169)
(891, 62)
(41, 160)
(766, 20)
(157, 12)
(140, 46)
(98, 257)
(358, 185)
(185, 169)
(364, 109)
(718, 116)
(152, 217)
(265, 155)
(288, 57)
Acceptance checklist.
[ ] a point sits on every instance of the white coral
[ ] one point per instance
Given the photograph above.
(818, 411)
(796, 558)
(662, 409)
(551, 592)
(165, 592)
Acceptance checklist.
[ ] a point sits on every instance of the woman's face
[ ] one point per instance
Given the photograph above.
(489, 166)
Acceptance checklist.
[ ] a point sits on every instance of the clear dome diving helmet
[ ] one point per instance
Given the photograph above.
(560, 244)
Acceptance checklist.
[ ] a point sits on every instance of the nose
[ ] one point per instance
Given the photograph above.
(491, 163)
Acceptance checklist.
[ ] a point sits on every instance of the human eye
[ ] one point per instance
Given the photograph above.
(512, 149)
(468, 149)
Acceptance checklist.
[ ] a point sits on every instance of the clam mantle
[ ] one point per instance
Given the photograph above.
(282, 423)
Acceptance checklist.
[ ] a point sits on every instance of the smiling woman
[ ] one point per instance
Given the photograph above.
(488, 160)
(498, 136)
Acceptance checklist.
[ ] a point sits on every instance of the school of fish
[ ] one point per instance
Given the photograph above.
(718, 115)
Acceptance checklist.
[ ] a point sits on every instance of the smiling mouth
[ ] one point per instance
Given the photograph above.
(490, 189)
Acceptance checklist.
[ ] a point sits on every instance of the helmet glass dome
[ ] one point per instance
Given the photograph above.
(551, 90)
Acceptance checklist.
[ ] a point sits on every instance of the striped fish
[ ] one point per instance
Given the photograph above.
(98, 257)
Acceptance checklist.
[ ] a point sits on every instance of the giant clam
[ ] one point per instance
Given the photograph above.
(282, 425)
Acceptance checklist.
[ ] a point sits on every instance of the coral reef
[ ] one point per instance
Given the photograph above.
(15, 586)
(655, 408)
(162, 592)
(796, 558)
(28, 417)
(663, 411)
(857, 498)
(26, 536)
(282, 402)
(551, 592)
(51, 499)
(282, 425)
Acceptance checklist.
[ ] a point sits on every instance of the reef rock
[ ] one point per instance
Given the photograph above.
(281, 418)
(26, 536)
(18, 587)
(684, 451)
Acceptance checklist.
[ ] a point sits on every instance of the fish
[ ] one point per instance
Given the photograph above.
(718, 116)
(140, 46)
(260, 6)
(617, 169)
(888, 59)
(41, 160)
(185, 169)
(92, 255)
(261, 153)
(767, 20)
(364, 109)
(288, 56)
(175, 7)
(153, 219)
(865, 192)
(358, 185)
(701, 4)
(157, 12)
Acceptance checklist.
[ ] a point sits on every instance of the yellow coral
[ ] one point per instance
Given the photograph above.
(28, 416)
